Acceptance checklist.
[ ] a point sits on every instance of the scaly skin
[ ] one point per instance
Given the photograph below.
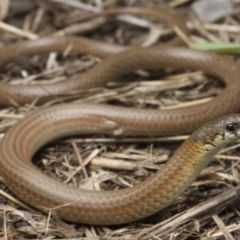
(92, 207)
(178, 121)
(47, 124)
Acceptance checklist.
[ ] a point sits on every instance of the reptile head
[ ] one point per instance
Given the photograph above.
(219, 132)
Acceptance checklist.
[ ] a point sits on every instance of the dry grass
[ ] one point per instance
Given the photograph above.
(209, 209)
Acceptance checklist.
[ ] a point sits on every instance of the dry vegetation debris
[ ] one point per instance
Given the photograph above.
(209, 209)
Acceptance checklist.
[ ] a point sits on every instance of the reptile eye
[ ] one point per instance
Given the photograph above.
(231, 127)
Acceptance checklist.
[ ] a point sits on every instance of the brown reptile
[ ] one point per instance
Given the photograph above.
(42, 126)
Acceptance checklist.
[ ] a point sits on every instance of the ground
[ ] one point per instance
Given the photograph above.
(209, 209)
